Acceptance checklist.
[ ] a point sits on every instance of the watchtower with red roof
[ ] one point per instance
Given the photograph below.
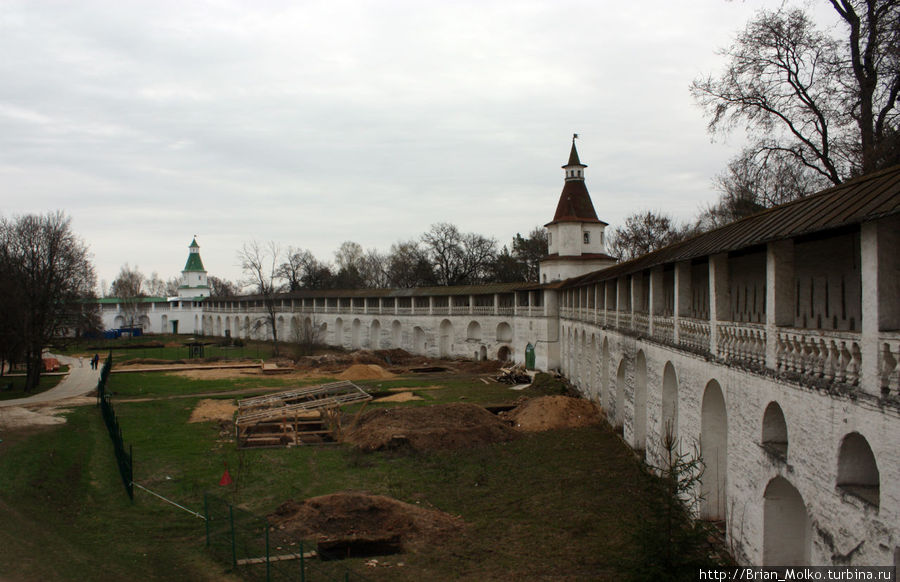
(577, 236)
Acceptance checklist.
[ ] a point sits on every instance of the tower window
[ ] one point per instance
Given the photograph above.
(587, 238)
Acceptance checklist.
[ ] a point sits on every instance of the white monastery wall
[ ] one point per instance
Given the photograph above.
(842, 528)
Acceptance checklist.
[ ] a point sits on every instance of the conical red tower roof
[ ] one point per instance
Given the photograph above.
(575, 202)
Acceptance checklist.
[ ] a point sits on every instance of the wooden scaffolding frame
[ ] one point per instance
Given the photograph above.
(302, 416)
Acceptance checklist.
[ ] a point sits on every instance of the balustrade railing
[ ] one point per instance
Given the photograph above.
(483, 310)
(813, 354)
(459, 309)
(744, 343)
(624, 320)
(693, 333)
(567, 312)
(664, 328)
(641, 323)
(889, 362)
(505, 310)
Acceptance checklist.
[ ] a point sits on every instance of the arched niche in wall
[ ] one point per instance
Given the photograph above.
(857, 471)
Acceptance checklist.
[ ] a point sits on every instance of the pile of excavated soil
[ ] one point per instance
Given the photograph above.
(364, 372)
(552, 412)
(442, 426)
(404, 396)
(209, 409)
(360, 515)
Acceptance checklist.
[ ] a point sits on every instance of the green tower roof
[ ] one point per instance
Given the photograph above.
(194, 263)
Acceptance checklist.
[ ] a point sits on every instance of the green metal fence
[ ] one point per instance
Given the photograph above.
(125, 460)
(257, 551)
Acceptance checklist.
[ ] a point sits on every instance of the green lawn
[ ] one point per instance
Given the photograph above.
(163, 347)
(558, 505)
(12, 387)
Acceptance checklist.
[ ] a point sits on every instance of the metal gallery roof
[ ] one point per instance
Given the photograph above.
(862, 199)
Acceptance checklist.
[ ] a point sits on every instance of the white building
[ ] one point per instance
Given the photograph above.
(180, 314)
(773, 343)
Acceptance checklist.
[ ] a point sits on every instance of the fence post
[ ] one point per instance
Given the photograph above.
(130, 472)
(206, 515)
(302, 564)
(233, 542)
(268, 567)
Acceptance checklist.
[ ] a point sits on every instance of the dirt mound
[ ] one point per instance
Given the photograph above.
(404, 396)
(551, 412)
(364, 372)
(360, 515)
(209, 409)
(421, 428)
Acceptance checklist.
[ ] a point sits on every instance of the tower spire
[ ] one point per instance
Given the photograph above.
(574, 168)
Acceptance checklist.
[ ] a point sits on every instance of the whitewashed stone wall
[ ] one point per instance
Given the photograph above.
(843, 529)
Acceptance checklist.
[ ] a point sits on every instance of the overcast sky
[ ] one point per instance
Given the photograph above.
(312, 123)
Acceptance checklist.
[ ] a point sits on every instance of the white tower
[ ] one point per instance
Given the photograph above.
(193, 277)
(577, 244)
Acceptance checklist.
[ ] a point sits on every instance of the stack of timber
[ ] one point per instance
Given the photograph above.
(303, 416)
(515, 375)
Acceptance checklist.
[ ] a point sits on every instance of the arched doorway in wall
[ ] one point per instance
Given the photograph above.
(339, 332)
(375, 335)
(218, 325)
(119, 322)
(482, 353)
(280, 327)
(355, 341)
(322, 334)
(296, 337)
(669, 402)
(245, 329)
(786, 529)
(504, 354)
(446, 339)
(640, 401)
(396, 334)
(593, 382)
(714, 451)
(619, 405)
(504, 332)
(418, 340)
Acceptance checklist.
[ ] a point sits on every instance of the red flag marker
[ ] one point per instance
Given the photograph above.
(226, 478)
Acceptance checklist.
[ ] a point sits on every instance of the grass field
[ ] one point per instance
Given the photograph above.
(12, 387)
(557, 505)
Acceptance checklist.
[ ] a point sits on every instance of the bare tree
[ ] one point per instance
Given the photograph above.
(459, 259)
(219, 287)
(49, 270)
(129, 288)
(821, 103)
(642, 233)
(260, 265)
(408, 266)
